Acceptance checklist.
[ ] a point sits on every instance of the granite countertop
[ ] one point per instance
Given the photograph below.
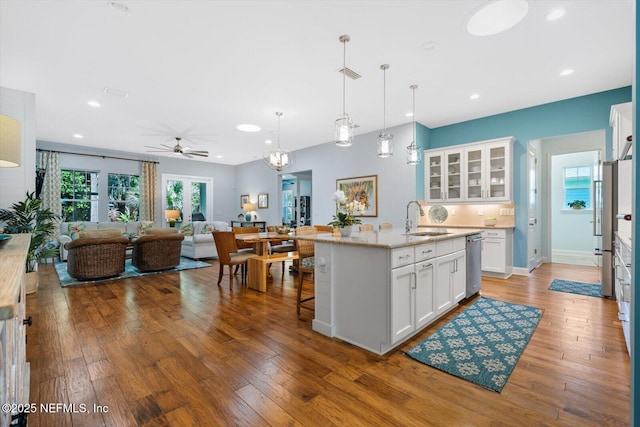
(481, 227)
(390, 238)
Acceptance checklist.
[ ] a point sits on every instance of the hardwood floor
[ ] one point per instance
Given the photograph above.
(176, 350)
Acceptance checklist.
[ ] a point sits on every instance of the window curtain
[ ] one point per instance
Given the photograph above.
(50, 194)
(148, 191)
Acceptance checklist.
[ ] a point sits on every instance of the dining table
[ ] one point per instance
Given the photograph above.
(258, 266)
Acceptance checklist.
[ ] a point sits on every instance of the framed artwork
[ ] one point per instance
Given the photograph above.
(263, 201)
(244, 199)
(364, 189)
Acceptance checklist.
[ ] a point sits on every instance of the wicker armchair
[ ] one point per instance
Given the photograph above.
(96, 257)
(157, 251)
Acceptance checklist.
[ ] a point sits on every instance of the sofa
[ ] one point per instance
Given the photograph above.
(71, 230)
(198, 240)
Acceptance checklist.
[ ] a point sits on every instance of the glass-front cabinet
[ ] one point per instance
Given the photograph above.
(477, 172)
(434, 176)
(443, 176)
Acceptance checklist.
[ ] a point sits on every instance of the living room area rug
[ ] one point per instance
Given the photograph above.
(580, 288)
(129, 271)
(482, 344)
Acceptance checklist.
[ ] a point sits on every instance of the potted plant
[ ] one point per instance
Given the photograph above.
(29, 216)
(345, 218)
(577, 204)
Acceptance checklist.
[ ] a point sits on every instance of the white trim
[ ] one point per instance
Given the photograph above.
(519, 271)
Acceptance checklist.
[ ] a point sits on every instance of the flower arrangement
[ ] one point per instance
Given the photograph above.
(577, 204)
(346, 210)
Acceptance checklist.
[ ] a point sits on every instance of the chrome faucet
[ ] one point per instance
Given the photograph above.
(408, 224)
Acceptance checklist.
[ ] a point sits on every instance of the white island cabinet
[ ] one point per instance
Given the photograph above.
(378, 289)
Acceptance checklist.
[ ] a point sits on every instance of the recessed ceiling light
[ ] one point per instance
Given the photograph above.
(119, 7)
(268, 141)
(218, 156)
(248, 127)
(475, 96)
(566, 72)
(430, 45)
(94, 104)
(497, 16)
(555, 14)
(77, 135)
(409, 114)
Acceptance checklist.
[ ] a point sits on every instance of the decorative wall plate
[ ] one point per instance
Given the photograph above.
(438, 214)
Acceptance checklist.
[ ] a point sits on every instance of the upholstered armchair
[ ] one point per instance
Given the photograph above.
(157, 250)
(96, 255)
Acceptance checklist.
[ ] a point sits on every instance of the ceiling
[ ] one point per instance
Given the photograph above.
(197, 69)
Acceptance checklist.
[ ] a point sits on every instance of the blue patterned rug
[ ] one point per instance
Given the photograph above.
(482, 344)
(129, 271)
(580, 288)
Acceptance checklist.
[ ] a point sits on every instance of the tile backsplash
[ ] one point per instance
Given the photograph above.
(473, 215)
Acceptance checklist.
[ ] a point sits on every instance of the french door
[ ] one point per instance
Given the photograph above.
(191, 195)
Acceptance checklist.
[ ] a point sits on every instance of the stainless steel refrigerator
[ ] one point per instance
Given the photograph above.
(605, 222)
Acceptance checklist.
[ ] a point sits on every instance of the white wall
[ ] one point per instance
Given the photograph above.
(396, 179)
(225, 203)
(580, 142)
(572, 229)
(16, 182)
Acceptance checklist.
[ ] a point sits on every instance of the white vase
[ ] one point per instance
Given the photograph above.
(345, 231)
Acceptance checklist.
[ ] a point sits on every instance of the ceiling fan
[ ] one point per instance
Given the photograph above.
(178, 149)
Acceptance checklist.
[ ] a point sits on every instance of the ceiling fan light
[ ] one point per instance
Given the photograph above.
(497, 16)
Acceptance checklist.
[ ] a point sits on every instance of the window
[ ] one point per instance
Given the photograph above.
(577, 185)
(79, 194)
(124, 197)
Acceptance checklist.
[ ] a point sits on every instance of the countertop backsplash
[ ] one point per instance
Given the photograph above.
(473, 215)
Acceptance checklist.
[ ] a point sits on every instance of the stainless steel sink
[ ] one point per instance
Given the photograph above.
(428, 233)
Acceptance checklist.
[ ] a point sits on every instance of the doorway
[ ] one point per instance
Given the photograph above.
(296, 199)
(192, 196)
(569, 164)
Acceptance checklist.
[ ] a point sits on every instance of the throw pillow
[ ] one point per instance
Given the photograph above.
(76, 229)
(207, 229)
(144, 226)
(187, 228)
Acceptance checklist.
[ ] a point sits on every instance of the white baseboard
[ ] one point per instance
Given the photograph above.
(574, 257)
(520, 271)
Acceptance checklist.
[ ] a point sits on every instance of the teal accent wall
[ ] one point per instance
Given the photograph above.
(582, 114)
(422, 139)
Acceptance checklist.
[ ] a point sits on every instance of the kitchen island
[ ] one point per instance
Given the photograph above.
(378, 289)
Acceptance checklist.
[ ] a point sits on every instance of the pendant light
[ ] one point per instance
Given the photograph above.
(278, 159)
(385, 140)
(414, 152)
(344, 125)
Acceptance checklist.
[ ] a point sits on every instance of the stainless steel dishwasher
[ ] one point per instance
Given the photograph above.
(474, 264)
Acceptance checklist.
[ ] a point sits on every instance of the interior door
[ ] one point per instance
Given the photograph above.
(188, 194)
(533, 244)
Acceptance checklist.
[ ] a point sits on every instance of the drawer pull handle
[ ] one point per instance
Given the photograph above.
(427, 252)
(27, 321)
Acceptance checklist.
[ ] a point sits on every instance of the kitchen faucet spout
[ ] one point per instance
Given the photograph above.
(409, 223)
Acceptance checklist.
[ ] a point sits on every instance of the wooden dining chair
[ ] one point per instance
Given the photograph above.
(245, 246)
(283, 246)
(306, 252)
(366, 227)
(228, 255)
(386, 226)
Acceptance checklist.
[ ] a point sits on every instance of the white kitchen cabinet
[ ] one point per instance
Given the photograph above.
(497, 253)
(477, 172)
(622, 125)
(379, 290)
(451, 280)
(444, 176)
(412, 298)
